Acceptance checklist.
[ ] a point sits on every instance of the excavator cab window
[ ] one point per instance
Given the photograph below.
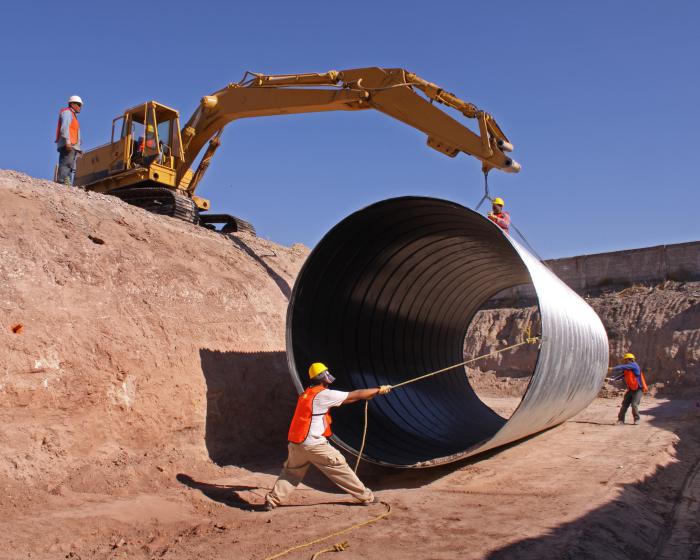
(118, 129)
(150, 146)
(168, 129)
(155, 131)
(164, 136)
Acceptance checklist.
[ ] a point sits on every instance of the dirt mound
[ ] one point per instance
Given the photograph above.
(132, 343)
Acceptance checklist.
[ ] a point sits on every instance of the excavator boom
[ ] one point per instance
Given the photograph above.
(393, 92)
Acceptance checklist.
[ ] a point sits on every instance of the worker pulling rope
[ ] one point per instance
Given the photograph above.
(339, 547)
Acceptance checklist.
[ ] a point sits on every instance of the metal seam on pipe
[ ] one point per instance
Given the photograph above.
(389, 293)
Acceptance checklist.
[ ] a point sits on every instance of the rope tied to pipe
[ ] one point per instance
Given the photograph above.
(528, 339)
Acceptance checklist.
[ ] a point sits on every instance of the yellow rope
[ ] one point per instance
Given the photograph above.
(346, 530)
(528, 340)
(364, 437)
(338, 547)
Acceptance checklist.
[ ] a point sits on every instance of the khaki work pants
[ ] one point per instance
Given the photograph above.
(328, 460)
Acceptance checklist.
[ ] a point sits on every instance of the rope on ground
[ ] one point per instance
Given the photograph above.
(529, 339)
(338, 547)
(341, 532)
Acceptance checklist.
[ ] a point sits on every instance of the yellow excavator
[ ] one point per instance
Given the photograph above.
(150, 160)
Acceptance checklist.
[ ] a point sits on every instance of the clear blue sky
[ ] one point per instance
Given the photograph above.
(601, 99)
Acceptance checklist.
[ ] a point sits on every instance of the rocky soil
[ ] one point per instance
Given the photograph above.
(659, 323)
(144, 402)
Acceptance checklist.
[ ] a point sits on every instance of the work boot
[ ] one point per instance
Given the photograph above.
(374, 500)
(636, 422)
(268, 505)
(620, 422)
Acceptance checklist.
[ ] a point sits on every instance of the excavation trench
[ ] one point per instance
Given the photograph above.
(389, 293)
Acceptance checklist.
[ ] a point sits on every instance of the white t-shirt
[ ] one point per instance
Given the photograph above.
(328, 398)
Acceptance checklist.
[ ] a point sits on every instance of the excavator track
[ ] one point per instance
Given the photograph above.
(230, 224)
(166, 202)
(160, 200)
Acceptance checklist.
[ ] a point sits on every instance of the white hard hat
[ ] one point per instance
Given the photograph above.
(75, 99)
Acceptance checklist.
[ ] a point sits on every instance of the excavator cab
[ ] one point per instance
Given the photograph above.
(139, 164)
(145, 150)
(154, 131)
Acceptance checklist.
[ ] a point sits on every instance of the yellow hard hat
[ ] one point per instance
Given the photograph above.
(317, 368)
(629, 356)
(149, 128)
(498, 200)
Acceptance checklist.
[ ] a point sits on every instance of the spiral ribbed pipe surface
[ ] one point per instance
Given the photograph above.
(388, 294)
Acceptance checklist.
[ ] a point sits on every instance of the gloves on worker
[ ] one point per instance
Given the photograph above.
(384, 389)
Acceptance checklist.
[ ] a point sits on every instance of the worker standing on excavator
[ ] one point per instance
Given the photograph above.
(68, 140)
(636, 385)
(311, 425)
(498, 216)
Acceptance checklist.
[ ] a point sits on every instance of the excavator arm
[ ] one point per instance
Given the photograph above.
(394, 92)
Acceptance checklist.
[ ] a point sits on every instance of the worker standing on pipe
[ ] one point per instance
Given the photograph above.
(68, 141)
(636, 385)
(311, 425)
(498, 216)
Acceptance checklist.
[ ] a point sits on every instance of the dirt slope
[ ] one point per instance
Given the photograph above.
(144, 401)
(134, 332)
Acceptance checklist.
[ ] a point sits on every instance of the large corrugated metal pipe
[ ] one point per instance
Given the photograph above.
(389, 293)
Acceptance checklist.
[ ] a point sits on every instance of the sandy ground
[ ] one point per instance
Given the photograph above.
(571, 492)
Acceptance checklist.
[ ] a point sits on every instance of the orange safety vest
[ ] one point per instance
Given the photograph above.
(301, 421)
(632, 383)
(150, 144)
(73, 130)
(502, 220)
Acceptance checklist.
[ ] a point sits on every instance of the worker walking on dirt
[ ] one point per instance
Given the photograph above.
(310, 426)
(68, 140)
(498, 215)
(636, 385)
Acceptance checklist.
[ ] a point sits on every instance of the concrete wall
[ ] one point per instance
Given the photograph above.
(622, 268)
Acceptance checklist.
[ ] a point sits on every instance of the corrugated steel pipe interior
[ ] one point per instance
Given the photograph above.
(388, 294)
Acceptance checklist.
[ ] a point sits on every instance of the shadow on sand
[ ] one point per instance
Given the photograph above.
(250, 399)
(282, 284)
(651, 519)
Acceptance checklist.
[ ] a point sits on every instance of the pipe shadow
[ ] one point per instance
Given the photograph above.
(282, 284)
(250, 399)
(224, 494)
(646, 520)
(389, 478)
